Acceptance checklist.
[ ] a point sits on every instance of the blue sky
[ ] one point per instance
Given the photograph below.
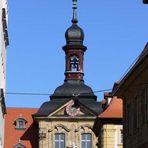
(115, 34)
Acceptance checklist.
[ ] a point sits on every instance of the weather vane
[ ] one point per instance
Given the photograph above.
(74, 19)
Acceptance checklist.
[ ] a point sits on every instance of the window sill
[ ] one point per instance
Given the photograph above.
(20, 128)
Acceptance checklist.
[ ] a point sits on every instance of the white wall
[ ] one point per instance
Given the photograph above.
(3, 4)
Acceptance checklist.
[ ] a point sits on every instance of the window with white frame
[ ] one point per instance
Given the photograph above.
(20, 123)
(86, 140)
(59, 140)
(19, 145)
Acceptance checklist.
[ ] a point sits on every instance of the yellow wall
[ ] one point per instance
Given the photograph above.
(71, 128)
(110, 136)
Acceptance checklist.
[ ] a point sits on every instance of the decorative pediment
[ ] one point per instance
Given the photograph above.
(72, 110)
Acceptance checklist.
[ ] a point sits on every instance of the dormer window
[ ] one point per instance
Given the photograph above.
(19, 145)
(74, 63)
(20, 123)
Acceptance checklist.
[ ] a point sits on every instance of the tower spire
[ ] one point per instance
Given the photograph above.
(74, 18)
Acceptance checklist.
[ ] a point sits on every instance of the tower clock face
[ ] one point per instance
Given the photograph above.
(72, 110)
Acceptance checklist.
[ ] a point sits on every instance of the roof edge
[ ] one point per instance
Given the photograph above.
(139, 60)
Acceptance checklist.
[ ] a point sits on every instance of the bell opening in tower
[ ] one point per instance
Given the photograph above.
(74, 63)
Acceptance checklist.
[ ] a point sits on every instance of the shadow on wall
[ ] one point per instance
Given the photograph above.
(32, 135)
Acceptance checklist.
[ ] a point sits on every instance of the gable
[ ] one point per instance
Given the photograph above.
(70, 109)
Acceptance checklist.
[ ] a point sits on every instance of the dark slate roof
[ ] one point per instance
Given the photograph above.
(74, 35)
(66, 92)
(95, 107)
(50, 106)
(71, 87)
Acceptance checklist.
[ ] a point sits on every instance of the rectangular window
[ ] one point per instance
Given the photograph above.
(86, 140)
(59, 140)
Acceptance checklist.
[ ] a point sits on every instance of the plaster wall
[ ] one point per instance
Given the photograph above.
(3, 4)
(111, 136)
(72, 130)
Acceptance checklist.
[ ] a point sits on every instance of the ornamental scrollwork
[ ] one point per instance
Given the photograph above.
(58, 126)
(84, 127)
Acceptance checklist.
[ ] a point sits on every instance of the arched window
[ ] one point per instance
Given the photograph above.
(74, 63)
(20, 123)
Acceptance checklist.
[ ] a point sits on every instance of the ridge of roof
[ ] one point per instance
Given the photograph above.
(21, 108)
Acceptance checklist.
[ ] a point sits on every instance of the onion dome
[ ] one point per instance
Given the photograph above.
(74, 35)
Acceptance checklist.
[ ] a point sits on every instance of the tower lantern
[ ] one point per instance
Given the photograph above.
(74, 49)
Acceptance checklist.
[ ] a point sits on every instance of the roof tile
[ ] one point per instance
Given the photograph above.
(14, 136)
(114, 109)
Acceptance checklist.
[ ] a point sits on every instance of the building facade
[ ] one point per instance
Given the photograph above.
(3, 41)
(108, 126)
(3, 45)
(133, 88)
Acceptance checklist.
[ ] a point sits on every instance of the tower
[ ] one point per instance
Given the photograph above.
(74, 57)
(67, 119)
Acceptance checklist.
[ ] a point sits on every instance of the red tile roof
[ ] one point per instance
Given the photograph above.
(114, 109)
(28, 136)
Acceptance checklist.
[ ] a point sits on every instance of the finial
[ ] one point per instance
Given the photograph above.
(74, 19)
